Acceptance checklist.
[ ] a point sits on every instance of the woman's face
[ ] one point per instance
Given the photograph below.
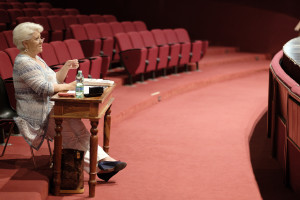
(34, 45)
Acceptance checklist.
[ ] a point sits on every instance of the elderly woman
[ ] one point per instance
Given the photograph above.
(34, 84)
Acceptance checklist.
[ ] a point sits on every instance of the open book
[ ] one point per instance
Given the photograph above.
(97, 82)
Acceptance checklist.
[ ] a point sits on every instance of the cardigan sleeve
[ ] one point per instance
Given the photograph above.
(34, 76)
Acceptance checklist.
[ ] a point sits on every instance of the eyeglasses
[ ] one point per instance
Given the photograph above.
(39, 39)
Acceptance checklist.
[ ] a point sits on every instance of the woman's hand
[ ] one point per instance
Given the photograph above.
(72, 85)
(72, 64)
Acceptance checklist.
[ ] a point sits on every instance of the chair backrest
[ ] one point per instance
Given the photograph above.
(79, 32)
(128, 26)
(14, 13)
(58, 11)
(97, 18)
(42, 20)
(5, 5)
(105, 30)
(74, 48)
(147, 38)
(72, 11)
(56, 22)
(117, 27)
(31, 5)
(12, 53)
(159, 36)
(17, 5)
(83, 19)
(182, 35)
(45, 11)
(61, 51)
(24, 19)
(123, 41)
(9, 38)
(110, 18)
(45, 5)
(92, 31)
(69, 20)
(3, 42)
(136, 40)
(48, 54)
(171, 36)
(30, 12)
(4, 16)
(6, 67)
(140, 26)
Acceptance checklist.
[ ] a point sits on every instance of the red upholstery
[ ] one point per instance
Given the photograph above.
(45, 5)
(69, 20)
(31, 5)
(117, 27)
(17, 5)
(6, 67)
(3, 42)
(12, 53)
(97, 18)
(89, 47)
(49, 56)
(9, 38)
(140, 26)
(152, 52)
(14, 13)
(128, 26)
(106, 32)
(196, 49)
(110, 18)
(24, 19)
(44, 22)
(83, 19)
(163, 50)
(185, 48)
(133, 59)
(45, 11)
(30, 12)
(57, 27)
(63, 55)
(174, 49)
(4, 20)
(76, 52)
(72, 11)
(94, 33)
(5, 5)
(58, 11)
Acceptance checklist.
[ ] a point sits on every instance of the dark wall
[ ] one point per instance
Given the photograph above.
(256, 26)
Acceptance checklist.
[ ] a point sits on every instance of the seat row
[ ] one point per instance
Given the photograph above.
(150, 51)
(20, 5)
(55, 54)
(55, 27)
(9, 17)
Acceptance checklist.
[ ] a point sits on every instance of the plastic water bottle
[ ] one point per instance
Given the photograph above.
(79, 85)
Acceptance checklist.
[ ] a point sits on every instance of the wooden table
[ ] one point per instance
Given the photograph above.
(92, 108)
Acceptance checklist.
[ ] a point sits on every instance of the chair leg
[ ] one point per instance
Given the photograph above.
(9, 134)
(33, 159)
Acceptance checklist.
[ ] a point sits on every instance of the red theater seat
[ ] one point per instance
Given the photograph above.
(69, 20)
(45, 5)
(13, 14)
(97, 18)
(6, 67)
(57, 27)
(44, 22)
(58, 11)
(5, 5)
(30, 12)
(117, 27)
(31, 5)
(72, 11)
(174, 49)
(24, 19)
(128, 26)
(109, 18)
(106, 43)
(140, 26)
(185, 48)
(45, 11)
(3, 42)
(12, 53)
(5, 21)
(83, 19)
(17, 5)
(152, 52)
(9, 38)
(163, 50)
(89, 47)
(49, 56)
(134, 60)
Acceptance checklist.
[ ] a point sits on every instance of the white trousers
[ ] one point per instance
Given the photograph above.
(76, 136)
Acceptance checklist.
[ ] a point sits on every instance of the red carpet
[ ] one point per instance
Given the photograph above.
(183, 137)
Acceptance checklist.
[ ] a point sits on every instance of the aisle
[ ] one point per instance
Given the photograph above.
(193, 146)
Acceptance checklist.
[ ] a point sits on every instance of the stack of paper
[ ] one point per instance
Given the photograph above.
(98, 82)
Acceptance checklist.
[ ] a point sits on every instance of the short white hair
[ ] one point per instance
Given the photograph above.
(24, 32)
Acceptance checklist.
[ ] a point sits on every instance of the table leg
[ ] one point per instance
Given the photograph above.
(106, 135)
(93, 157)
(57, 156)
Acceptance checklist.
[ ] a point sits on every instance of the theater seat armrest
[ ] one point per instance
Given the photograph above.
(91, 58)
(103, 38)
